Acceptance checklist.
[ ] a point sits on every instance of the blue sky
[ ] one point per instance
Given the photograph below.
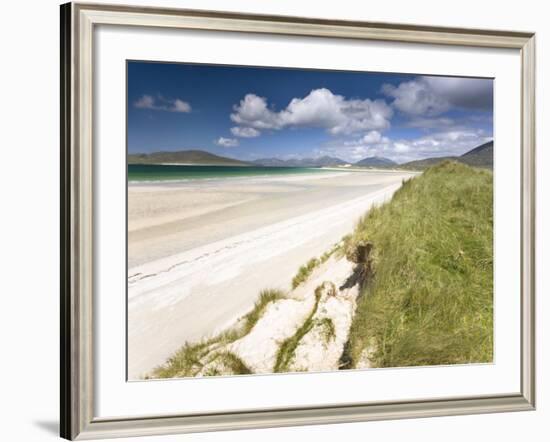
(250, 113)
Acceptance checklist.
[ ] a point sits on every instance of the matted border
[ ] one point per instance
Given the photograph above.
(77, 204)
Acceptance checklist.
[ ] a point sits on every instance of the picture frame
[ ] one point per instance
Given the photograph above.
(79, 202)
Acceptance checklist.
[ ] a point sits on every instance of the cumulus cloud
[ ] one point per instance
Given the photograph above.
(454, 142)
(415, 98)
(252, 111)
(430, 123)
(372, 137)
(162, 104)
(440, 144)
(180, 106)
(432, 96)
(469, 93)
(320, 108)
(245, 132)
(227, 142)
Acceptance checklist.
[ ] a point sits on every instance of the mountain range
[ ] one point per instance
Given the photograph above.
(300, 162)
(481, 156)
(198, 157)
(376, 162)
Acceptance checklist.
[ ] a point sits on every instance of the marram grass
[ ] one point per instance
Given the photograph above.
(190, 359)
(305, 271)
(430, 301)
(288, 347)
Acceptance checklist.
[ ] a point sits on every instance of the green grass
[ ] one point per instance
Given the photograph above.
(307, 269)
(231, 362)
(430, 301)
(304, 272)
(191, 358)
(185, 362)
(328, 330)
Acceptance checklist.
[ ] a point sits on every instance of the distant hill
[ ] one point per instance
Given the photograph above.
(481, 156)
(184, 157)
(330, 161)
(300, 162)
(376, 162)
(425, 163)
(271, 162)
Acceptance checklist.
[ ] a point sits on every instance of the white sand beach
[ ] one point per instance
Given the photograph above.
(200, 252)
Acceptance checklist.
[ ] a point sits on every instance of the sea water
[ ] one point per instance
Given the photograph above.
(177, 172)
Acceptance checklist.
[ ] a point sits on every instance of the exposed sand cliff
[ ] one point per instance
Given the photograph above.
(304, 330)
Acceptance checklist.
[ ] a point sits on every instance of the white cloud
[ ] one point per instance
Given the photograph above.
(145, 102)
(430, 123)
(369, 145)
(440, 144)
(227, 142)
(252, 111)
(372, 137)
(320, 108)
(415, 98)
(432, 96)
(162, 104)
(180, 106)
(401, 147)
(245, 132)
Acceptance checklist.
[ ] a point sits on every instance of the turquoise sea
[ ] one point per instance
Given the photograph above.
(158, 172)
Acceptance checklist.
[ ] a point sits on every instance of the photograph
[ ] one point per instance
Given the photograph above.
(287, 220)
(285, 217)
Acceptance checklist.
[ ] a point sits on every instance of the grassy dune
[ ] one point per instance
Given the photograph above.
(430, 301)
(190, 359)
(427, 296)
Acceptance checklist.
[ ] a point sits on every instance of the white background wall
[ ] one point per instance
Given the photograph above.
(29, 206)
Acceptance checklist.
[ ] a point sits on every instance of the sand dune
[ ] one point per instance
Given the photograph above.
(199, 253)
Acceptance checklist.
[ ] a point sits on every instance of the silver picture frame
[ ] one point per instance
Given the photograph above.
(77, 217)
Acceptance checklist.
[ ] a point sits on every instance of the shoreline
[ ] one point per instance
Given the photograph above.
(374, 169)
(298, 176)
